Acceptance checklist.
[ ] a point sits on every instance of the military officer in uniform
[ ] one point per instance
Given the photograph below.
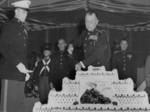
(123, 61)
(94, 43)
(63, 64)
(13, 69)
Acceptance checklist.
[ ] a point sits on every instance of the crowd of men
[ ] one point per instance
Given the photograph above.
(51, 70)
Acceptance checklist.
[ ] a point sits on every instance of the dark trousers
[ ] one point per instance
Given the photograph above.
(12, 96)
(58, 84)
(44, 88)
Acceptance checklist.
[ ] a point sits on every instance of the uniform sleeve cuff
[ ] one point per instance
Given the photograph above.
(83, 66)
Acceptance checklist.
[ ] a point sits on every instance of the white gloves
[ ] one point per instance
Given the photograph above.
(21, 67)
(70, 49)
(27, 77)
(78, 67)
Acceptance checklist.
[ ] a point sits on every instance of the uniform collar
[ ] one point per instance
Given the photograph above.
(47, 59)
(62, 51)
(92, 32)
(123, 52)
(17, 20)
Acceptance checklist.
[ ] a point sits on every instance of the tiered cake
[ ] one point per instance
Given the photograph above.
(96, 90)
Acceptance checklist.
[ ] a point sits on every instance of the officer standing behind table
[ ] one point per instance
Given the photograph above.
(123, 62)
(42, 73)
(94, 43)
(62, 64)
(13, 47)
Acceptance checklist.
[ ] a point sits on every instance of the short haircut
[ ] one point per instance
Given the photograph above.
(61, 39)
(91, 12)
(124, 39)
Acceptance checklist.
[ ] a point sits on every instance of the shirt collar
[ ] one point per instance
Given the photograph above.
(92, 32)
(123, 52)
(17, 20)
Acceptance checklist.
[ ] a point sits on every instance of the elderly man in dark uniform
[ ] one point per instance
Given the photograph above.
(13, 69)
(123, 61)
(94, 43)
(63, 64)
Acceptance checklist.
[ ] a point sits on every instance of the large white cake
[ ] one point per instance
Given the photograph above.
(96, 90)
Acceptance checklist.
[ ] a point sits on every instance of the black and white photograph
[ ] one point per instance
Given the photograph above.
(74, 55)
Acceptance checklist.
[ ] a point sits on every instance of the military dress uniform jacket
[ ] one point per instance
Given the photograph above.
(124, 63)
(94, 50)
(62, 65)
(13, 48)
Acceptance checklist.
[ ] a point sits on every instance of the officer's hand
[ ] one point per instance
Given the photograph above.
(78, 67)
(36, 88)
(21, 67)
(51, 85)
(70, 49)
(53, 89)
(27, 77)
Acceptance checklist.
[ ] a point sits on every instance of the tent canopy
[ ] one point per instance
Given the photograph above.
(46, 14)
(50, 19)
